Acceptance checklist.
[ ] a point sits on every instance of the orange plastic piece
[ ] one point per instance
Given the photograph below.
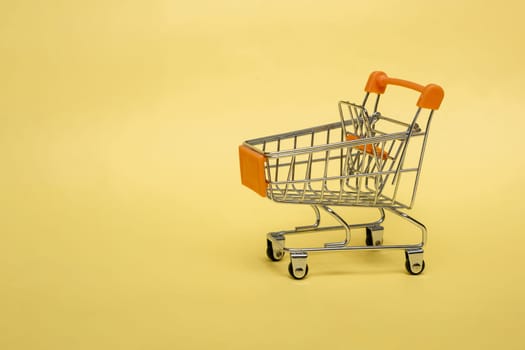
(431, 94)
(252, 170)
(369, 149)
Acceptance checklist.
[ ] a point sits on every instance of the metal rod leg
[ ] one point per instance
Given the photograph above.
(381, 218)
(315, 225)
(343, 223)
(414, 222)
(414, 262)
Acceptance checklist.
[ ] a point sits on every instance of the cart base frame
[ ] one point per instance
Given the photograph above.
(298, 267)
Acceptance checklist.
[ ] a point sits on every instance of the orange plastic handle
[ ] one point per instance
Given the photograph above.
(431, 94)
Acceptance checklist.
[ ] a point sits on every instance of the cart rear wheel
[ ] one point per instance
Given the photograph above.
(298, 273)
(414, 269)
(374, 236)
(271, 254)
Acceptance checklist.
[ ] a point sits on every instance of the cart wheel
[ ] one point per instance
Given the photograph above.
(374, 236)
(271, 254)
(298, 274)
(416, 268)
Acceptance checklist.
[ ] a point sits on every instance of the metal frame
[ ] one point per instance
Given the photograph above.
(356, 162)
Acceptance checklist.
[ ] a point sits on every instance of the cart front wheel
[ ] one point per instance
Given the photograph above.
(298, 273)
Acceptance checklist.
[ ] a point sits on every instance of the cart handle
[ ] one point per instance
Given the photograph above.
(431, 94)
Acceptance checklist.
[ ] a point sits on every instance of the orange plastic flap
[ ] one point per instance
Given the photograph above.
(378, 151)
(252, 170)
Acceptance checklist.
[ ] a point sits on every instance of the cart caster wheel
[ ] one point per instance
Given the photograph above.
(273, 255)
(374, 236)
(415, 268)
(299, 273)
(414, 262)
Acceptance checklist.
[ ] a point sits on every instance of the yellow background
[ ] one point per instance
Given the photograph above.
(123, 223)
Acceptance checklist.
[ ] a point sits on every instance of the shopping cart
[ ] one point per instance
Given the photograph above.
(364, 160)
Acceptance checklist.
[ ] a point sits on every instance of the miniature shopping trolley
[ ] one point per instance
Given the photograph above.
(366, 159)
